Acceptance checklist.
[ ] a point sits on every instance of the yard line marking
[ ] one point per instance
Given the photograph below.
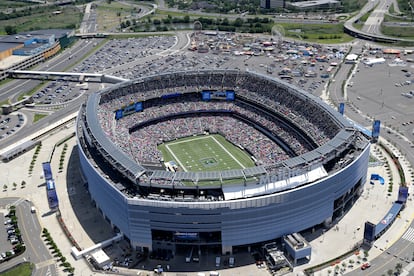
(175, 157)
(231, 155)
(188, 140)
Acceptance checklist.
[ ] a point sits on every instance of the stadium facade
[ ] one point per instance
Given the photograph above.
(159, 209)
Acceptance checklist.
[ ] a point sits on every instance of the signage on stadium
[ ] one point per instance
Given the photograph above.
(387, 218)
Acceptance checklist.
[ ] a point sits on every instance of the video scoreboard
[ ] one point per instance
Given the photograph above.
(132, 108)
(228, 95)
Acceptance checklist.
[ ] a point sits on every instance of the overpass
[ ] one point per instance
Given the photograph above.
(351, 30)
(378, 12)
(71, 76)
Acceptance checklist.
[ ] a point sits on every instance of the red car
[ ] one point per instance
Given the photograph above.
(365, 266)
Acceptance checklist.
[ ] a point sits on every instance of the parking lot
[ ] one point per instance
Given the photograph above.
(10, 124)
(8, 236)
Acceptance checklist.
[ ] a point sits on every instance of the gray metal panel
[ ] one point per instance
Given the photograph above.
(207, 175)
(294, 162)
(162, 175)
(336, 142)
(252, 171)
(344, 134)
(325, 149)
(310, 156)
(232, 174)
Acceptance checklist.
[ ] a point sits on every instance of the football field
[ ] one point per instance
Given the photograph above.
(205, 153)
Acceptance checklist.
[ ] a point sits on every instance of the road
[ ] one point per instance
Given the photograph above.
(36, 250)
(400, 252)
(373, 23)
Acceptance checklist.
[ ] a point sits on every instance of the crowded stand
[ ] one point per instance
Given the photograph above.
(157, 108)
(279, 122)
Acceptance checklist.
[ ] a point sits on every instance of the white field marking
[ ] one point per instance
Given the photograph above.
(231, 155)
(175, 157)
(192, 139)
(199, 138)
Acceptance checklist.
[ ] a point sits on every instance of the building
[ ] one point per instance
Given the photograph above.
(272, 4)
(24, 50)
(314, 5)
(170, 211)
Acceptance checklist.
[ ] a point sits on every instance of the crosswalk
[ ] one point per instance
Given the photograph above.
(409, 235)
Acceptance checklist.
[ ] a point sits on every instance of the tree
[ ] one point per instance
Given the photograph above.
(10, 30)
(14, 185)
(238, 22)
(398, 268)
(390, 271)
(4, 187)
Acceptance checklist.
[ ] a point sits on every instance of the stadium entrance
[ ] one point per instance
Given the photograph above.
(189, 244)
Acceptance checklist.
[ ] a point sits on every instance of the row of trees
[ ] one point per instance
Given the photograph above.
(56, 251)
(251, 25)
(15, 185)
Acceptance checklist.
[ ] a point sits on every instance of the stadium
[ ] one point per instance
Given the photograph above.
(217, 159)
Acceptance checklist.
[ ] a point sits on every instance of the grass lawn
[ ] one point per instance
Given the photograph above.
(405, 32)
(111, 15)
(24, 269)
(38, 116)
(321, 33)
(69, 18)
(10, 4)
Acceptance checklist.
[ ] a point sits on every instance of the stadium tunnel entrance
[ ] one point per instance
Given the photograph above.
(166, 244)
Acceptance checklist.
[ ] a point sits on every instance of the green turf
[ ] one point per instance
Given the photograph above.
(205, 153)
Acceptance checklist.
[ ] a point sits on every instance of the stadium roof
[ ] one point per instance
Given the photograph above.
(235, 192)
(208, 175)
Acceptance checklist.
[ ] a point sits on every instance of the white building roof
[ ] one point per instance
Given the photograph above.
(235, 192)
(100, 257)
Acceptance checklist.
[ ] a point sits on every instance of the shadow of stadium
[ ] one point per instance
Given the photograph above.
(96, 227)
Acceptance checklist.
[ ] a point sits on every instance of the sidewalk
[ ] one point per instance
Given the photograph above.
(372, 206)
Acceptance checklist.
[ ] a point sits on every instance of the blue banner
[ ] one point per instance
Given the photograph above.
(206, 95)
(47, 171)
(376, 128)
(402, 194)
(341, 108)
(138, 107)
(119, 114)
(230, 95)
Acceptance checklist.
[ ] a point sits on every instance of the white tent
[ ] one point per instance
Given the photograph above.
(351, 58)
(372, 61)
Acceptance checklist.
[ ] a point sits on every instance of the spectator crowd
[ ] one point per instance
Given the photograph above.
(259, 100)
